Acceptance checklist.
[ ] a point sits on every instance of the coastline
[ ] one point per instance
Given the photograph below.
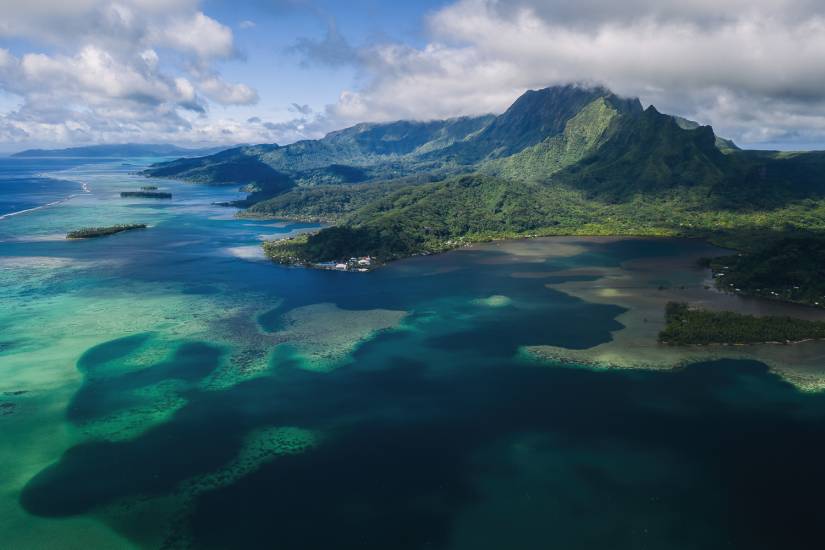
(634, 286)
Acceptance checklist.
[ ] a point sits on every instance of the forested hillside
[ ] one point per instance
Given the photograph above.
(563, 160)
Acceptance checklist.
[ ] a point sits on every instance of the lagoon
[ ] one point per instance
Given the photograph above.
(171, 388)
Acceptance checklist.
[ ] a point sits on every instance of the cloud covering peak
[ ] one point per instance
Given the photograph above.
(141, 70)
(754, 69)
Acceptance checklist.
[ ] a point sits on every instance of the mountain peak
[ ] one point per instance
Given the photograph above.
(576, 93)
(535, 116)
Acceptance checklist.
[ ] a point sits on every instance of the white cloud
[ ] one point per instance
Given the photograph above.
(197, 34)
(118, 70)
(754, 69)
(115, 71)
(218, 90)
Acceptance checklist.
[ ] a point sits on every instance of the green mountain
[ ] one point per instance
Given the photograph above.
(353, 155)
(724, 145)
(582, 135)
(564, 160)
(533, 118)
(365, 152)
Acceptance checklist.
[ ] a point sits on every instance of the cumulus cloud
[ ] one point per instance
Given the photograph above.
(197, 34)
(220, 91)
(115, 71)
(590, 13)
(118, 70)
(753, 68)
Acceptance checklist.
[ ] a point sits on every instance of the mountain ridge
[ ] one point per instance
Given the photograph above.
(562, 160)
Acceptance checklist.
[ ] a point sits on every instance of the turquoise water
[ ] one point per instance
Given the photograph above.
(167, 388)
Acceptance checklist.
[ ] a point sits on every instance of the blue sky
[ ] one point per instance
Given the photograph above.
(265, 35)
(280, 74)
(198, 72)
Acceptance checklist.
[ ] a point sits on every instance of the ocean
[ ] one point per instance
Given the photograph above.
(24, 184)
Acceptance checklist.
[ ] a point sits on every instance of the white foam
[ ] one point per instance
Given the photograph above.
(55, 203)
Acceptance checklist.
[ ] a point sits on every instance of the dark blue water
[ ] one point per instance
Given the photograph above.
(438, 436)
(22, 188)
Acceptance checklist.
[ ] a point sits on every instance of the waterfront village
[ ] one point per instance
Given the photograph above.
(361, 264)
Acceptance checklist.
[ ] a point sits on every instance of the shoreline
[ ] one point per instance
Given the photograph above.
(469, 244)
(633, 287)
(738, 345)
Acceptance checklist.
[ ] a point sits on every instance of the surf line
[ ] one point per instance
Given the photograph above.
(42, 206)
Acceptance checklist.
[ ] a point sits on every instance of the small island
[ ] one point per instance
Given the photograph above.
(92, 232)
(692, 326)
(149, 188)
(146, 194)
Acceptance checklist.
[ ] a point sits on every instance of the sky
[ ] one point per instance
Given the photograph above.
(212, 72)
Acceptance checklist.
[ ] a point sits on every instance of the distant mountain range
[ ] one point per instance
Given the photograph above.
(121, 150)
(562, 160)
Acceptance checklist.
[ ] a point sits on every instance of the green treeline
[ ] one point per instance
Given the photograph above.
(146, 194)
(90, 232)
(687, 326)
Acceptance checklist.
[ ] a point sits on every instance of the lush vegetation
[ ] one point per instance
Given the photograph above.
(687, 326)
(442, 215)
(560, 161)
(327, 203)
(227, 168)
(365, 152)
(582, 135)
(790, 269)
(289, 251)
(146, 194)
(91, 232)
